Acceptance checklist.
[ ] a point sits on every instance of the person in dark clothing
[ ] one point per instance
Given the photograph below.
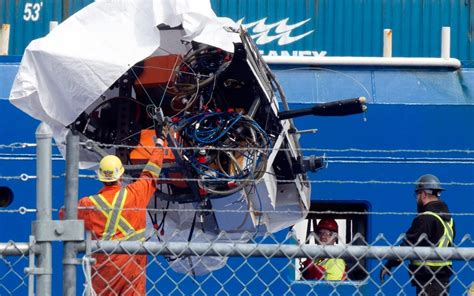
(432, 227)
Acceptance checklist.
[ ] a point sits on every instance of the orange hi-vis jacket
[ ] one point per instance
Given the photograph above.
(119, 213)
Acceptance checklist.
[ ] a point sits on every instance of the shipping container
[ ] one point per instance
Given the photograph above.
(299, 27)
(353, 28)
(30, 19)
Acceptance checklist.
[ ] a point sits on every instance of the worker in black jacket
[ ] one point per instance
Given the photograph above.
(432, 227)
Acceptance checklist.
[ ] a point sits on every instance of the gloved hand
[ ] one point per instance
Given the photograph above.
(311, 271)
(384, 271)
(160, 124)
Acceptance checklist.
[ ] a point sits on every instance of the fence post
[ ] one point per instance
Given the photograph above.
(43, 204)
(70, 211)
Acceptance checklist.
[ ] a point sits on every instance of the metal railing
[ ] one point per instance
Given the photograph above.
(268, 264)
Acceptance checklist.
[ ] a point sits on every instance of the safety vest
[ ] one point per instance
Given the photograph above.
(445, 240)
(116, 223)
(334, 269)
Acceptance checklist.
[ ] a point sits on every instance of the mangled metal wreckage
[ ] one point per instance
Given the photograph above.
(114, 69)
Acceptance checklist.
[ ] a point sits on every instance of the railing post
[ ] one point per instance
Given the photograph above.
(70, 211)
(52, 25)
(43, 204)
(446, 43)
(4, 38)
(387, 43)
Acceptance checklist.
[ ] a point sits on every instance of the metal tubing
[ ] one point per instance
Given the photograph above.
(14, 249)
(70, 211)
(387, 43)
(272, 250)
(43, 205)
(364, 61)
(254, 108)
(445, 43)
(28, 270)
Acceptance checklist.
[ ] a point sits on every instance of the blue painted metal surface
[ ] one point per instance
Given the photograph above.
(393, 127)
(430, 110)
(378, 85)
(442, 86)
(301, 27)
(355, 27)
(9, 67)
(29, 19)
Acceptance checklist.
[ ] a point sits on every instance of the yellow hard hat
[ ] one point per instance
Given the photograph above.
(110, 169)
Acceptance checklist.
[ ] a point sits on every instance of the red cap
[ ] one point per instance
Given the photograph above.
(329, 224)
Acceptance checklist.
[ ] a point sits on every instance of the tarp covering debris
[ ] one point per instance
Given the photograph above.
(66, 71)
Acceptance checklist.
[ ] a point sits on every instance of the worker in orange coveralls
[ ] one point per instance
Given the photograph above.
(329, 269)
(107, 217)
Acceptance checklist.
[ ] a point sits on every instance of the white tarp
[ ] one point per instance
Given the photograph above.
(63, 73)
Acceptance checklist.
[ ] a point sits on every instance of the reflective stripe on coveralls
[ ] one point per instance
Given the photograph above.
(152, 169)
(115, 220)
(444, 241)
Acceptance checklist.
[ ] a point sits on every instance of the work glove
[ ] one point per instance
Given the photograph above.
(311, 271)
(160, 125)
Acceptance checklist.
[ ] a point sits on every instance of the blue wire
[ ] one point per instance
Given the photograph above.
(210, 131)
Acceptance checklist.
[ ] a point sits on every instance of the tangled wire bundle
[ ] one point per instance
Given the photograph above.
(222, 159)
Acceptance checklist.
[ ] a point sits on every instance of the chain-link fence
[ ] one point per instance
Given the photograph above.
(14, 262)
(272, 265)
(263, 266)
(184, 252)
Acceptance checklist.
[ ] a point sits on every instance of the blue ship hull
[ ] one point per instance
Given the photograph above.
(409, 109)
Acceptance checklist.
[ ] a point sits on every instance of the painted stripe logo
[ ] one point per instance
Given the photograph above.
(262, 35)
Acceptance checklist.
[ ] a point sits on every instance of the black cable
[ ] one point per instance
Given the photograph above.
(191, 230)
(162, 222)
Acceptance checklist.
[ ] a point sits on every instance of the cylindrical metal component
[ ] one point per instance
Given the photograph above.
(72, 176)
(70, 211)
(254, 108)
(4, 39)
(307, 131)
(280, 250)
(44, 136)
(14, 249)
(363, 61)
(446, 43)
(387, 43)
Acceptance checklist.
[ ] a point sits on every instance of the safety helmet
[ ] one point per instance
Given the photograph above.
(328, 224)
(110, 169)
(428, 182)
